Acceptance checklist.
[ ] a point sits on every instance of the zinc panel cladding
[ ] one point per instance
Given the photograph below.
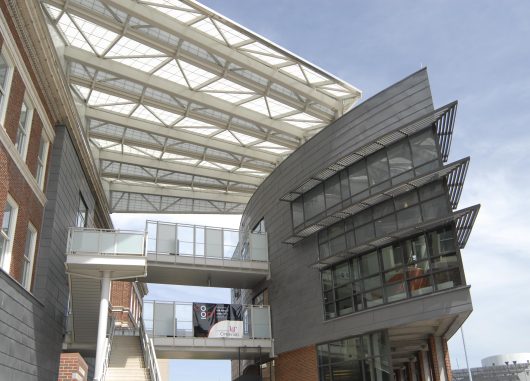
(66, 181)
(295, 291)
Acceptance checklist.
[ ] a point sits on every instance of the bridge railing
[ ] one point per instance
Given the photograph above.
(91, 241)
(166, 238)
(183, 319)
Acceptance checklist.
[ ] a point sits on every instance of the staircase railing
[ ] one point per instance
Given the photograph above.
(108, 342)
(149, 353)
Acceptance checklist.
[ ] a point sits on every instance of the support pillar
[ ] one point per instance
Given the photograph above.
(102, 325)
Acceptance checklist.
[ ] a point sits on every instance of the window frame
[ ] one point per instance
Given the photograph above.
(6, 90)
(25, 127)
(29, 257)
(44, 146)
(82, 202)
(7, 250)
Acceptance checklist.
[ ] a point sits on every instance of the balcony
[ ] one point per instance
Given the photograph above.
(205, 256)
(245, 331)
(91, 251)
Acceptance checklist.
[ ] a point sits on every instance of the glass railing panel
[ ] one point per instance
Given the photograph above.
(182, 319)
(205, 242)
(105, 242)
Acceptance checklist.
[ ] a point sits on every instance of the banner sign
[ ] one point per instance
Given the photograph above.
(217, 320)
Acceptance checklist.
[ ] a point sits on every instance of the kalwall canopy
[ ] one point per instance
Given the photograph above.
(186, 111)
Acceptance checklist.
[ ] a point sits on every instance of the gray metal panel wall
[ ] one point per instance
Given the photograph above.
(33, 326)
(294, 288)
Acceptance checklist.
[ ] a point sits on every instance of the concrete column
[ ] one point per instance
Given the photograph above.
(102, 325)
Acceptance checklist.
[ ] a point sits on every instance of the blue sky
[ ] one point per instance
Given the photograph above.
(477, 52)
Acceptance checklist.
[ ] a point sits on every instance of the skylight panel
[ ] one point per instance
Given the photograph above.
(195, 75)
(103, 144)
(226, 135)
(52, 11)
(228, 90)
(203, 131)
(171, 72)
(168, 118)
(258, 105)
(146, 64)
(142, 112)
(230, 34)
(82, 91)
(295, 71)
(72, 34)
(277, 108)
(313, 76)
(206, 25)
(100, 38)
(97, 98)
(125, 108)
(174, 8)
(245, 139)
(142, 151)
(265, 53)
(126, 47)
(272, 147)
(189, 122)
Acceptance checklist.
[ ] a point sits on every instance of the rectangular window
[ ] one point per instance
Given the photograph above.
(82, 213)
(29, 256)
(314, 202)
(7, 233)
(41, 161)
(6, 74)
(24, 127)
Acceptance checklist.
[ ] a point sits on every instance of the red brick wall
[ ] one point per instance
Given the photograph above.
(12, 182)
(434, 359)
(124, 298)
(298, 365)
(447, 360)
(71, 363)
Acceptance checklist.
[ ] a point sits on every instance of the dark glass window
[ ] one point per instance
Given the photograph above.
(298, 211)
(82, 213)
(314, 202)
(412, 267)
(358, 178)
(399, 158)
(359, 358)
(332, 191)
(423, 147)
(378, 170)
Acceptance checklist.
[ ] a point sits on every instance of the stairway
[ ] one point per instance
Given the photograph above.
(126, 360)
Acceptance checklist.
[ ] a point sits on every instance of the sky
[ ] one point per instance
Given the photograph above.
(477, 52)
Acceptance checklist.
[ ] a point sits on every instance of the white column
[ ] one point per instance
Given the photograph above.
(102, 325)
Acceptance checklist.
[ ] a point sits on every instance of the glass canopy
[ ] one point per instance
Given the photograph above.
(188, 111)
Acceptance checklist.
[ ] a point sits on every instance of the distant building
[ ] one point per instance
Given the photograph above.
(511, 366)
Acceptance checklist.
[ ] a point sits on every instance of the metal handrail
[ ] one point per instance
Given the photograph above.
(108, 348)
(149, 353)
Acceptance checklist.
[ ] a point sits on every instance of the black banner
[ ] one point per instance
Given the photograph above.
(217, 320)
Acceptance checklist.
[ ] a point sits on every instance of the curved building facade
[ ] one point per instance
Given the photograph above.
(366, 278)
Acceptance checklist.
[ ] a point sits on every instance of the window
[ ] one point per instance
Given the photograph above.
(41, 161)
(82, 213)
(420, 265)
(29, 255)
(259, 227)
(364, 357)
(24, 127)
(7, 233)
(399, 162)
(6, 73)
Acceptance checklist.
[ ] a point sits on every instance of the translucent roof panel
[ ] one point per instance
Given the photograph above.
(177, 94)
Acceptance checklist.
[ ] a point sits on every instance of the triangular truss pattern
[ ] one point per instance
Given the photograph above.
(177, 95)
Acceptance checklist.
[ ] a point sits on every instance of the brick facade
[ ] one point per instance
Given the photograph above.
(447, 359)
(12, 181)
(72, 368)
(126, 305)
(297, 365)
